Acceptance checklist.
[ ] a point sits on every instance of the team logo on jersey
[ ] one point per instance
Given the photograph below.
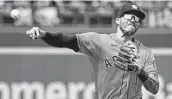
(134, 7)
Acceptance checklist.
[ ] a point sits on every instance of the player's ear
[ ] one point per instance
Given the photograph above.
(117, 20)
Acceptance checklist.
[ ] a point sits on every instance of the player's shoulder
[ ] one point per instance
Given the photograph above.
(106, 36)
(94, 35)
(88, 34)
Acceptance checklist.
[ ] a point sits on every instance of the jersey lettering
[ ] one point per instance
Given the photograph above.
(107, 63)
(115, 62)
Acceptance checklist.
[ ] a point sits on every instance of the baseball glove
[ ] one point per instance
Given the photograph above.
(128, 58)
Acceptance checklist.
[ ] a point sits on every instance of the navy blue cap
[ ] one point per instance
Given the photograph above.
(131, 8)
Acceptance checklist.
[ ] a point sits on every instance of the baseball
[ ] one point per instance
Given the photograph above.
(15, 14)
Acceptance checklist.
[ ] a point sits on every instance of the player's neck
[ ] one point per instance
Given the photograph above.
(121, 36)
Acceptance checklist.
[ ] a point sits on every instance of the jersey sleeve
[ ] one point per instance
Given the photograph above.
(89, 43)
(150, 65)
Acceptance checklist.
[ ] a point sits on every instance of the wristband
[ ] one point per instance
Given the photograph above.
(143, 75)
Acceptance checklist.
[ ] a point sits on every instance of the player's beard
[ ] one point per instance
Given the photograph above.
(128, 32)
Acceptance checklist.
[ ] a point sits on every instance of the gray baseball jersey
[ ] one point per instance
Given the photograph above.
(110, 81)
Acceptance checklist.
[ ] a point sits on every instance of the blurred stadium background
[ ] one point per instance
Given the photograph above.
(33, 70)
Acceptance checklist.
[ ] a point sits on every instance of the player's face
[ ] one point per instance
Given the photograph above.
(129, 24)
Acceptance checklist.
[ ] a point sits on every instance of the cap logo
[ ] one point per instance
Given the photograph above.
(134, 7)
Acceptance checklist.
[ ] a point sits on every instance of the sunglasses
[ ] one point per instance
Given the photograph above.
(131, 16)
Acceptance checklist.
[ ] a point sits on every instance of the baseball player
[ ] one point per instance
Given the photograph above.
(121, 64)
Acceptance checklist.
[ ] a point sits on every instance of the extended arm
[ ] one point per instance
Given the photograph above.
(54, 39)
(150, 81)
(61, 40)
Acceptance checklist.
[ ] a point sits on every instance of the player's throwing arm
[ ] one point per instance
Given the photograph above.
(54, 39)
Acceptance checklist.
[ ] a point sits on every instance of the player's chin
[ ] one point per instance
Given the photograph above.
(130, 32)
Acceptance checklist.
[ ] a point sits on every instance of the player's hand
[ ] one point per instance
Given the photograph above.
(135, 64)
(35, 33)
(128, 57)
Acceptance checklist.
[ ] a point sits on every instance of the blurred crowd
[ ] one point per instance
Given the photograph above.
(86, 13)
